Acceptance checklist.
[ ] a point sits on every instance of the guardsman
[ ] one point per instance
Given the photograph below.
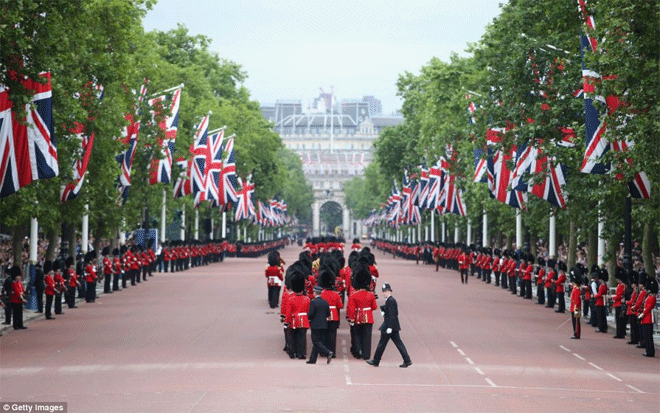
(633, 281)
(576, 304)
(390, 330)
(646, 317)
(90, 277)
(436, 255)
(359, 311)
(60, 286)
(639, 305)
(39, 286)
(497, 266)
(116, 269)
(527, 277)
(274, 278)
(167, 257)
(356, 245)
(50, 289)
(540, 279)
(286, 294)
(601, 295)
(107, 271)
(327, 281)
(619, 300)
(593, 289)
(464, 266)
(72, 284)
(296, 315)
(17, 298)
(504, 268)
(550, 283)
(318, 314)
(559, 288)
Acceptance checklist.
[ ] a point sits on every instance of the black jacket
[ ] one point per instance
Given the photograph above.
(319, 311)
(391, 317)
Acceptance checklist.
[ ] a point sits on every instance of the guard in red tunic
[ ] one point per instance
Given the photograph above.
(633, 280)
(550, 283)
(464, 266)
(356, 245)
(90, 277)
(327, 282)
(17, 297)
(116, 269)
(296, 315)
(527, 277)
(646, 317)
(559, 287)
(107, 271)
(72, 283)
(639, 306)
(361, 306)
(274, 278)
(60, 286)
(619, 300)
(601, 315)
(576, 302)
(540, 279)
(50, 290)
(497, 266)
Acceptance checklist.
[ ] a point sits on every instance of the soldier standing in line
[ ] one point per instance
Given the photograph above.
(80, 271)
(464, 266)
(576, 280)
(639, 305)
(540, 278)
(17, 298)
(390, 330)
(116, 269)
(633, 279)
(60, 286)
(107, 271)
(90, 277)
(359, 311)
(39, 287)
(601, 295)
(550, 284)
(318, 313)
(646, 317)
(619, 302)
(274, 277)
(50, 289)
(559, 287)
(72, 283)
(296, 315)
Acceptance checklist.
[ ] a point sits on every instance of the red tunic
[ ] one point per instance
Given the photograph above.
(559, 284)
(274, 276)
(600, 297)
(17, 291)
(646, 316)
(633, 297)
(50, 285)
(576, 301)
(90, 273)
(539, 280)
(296, 311)
(620, 290)
(334, 300)
(528, 272)
(361, 306)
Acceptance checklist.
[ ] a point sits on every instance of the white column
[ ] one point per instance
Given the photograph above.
(211, 228)
(163, 216)
(238, 232)
(347, 222)
(426, 233)
(552, 239)
(601, 239)
(34, 240)
(519, 242)
(183, 224)
(85, 232)
(457, 233)
(316, 219)
(224, 224)
(122, 235)
(469, 232)
(484, 233)
(444, 231)
(244, 233)
(196, 224)
(432, 226)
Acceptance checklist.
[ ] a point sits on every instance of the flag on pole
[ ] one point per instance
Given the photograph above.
(244, 203)
(201, 152)
(27, 146)
(130, 138)
(183, 184)
(229, 182)
(161, 169)
(213, 169)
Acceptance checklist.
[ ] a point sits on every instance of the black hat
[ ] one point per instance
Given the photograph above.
(633, 277)
(540, 261)
(115, 252)
(576, 277)
(562, 266)
(652, 285)
(603, 275)
(361, 277)
(620, 274)
(552, 263)
(386, 287)
(89, 257)
(57, 264)
(595, 270)
(326, 278)
(643, 278)
(297, 282)
(105, 251)
(48, 266)
(69, 261)
(15, 271)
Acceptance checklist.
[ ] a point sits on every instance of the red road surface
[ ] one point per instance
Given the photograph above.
(205, 340)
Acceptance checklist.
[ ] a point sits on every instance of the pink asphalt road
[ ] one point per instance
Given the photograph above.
(205, 340)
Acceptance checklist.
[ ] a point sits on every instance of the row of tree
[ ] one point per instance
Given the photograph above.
(103, 41)
(523, 77)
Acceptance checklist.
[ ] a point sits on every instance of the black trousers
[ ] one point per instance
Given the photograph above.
(115, 281)
(363, 339)
(90, 294)
(396, 339)
(528, 289)
(71, 297)
(40, 300)
(497, 278)
(319, 341)
(333, 326)
(576, 326)
(593, 320)
(49, 304)
(124, 278)
(274, 296)
(562, 302)
(7, 310)
(107, 288)
(646, 331)
(540, 294)
(620, 320)
(551, 297)
(464, 276)
(601, 318)
(298, 338)
(58, 303)
(504, 283)
(17, 310)
(585, 308)
(634, 329)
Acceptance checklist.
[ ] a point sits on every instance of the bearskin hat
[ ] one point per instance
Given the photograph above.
(68, 262)
(595, 270)
(575, 277)
(643, 277)
(123, 249)
(552, 263)
(15, 271)
(603, 275)
(105, 251)
(365, 250)
(89, 257)
(57, 264)
(353, 258)
(361, 277)
(356, 240)
(633, 277)
(620, 274)
(115, 252)
(48, 266)
(273, 259)
(562, 266)
(326, 278)
(540, 261)
(652, 285)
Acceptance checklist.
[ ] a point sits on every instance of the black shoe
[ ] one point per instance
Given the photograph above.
(406, 364)
(330, 354)
(301, 357)
(372, 363)
(50, 318)
(575, 338)
(638, 346)
(292, 356)
(310, 362)
(647, 355)
(6, 324)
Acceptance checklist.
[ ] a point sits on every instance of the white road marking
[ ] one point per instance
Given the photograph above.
(595, 366)
(480, 386)
(635, 388)
(613, 376)
(461, 352)
(579, 356)
(564, 348)
(453, 344)
(489, 381)
(197, 402)
(346, 368)
(479, 371)
(469, 360)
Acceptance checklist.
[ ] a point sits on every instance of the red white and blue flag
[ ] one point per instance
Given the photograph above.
(27, 146)
(71, 190)
(213, 172)
(201, 153)
(161, 169)
(130, 138)
(245, 202)
(183, 184)
(423, 184)
(229, 182)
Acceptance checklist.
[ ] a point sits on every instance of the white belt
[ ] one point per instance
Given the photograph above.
(333, 306)
(299, 314)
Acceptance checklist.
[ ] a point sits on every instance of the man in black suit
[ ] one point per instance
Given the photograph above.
(390, 330)
(319, 311)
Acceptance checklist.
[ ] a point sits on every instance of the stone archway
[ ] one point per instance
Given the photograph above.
(331, 218)
(319, 227)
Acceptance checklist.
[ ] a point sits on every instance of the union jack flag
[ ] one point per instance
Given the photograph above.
(229, 182)
(435, 182)
(201, 152)
(245, 203)
(130, 138)
(213, 172)
(183, 185)
(423, 184)
(499, 174)
(394, 207)
(161, 169)
(530, 160)
(27, 146)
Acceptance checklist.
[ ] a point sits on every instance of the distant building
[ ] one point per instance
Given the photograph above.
(334, 141)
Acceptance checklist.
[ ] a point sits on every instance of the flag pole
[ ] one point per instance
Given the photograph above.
(519, 244)
(85, 230)
(552, 241)
(172, 89)
(163, 216)
(218, 130)
(484, 236)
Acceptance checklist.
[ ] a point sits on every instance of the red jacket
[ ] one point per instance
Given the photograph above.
(296, 311)
(274, 276)
(576, 301)
(50, 285)
(541, 276)
(285, 300)
(639, 304)
(559, 284)
(60, 285)
(334, 300)
(631, 303)
(90, 273)
(107, 266)
(600, 297)
(463, 261)
(361, 306)
(620, 290)
(17, 291)
(646, 316)
(549, 278)
(528, 272)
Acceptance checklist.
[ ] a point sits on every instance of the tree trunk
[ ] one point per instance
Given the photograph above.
(18, 233)
(592, 249)
(649, 244)
(572, 244)
(612, 249)
(53, 244)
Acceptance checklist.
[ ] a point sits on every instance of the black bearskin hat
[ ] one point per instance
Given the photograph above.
(603, 275)
(273, 259)
(361, 277)
(57, 264)
(633, 277)
(562, 266)
(643, 278)
(326, 278)
(89, 257)
(595, 270)
(115, 252)
(576, 278)
(552, 263)
(68, 262)
(540, 261)
(105, 251)
(15, 271)
(356, 240)
(620, 274)
(48, 266)
(297, 281)
(652, 286)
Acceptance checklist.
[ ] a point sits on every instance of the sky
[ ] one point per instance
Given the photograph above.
(292, 48)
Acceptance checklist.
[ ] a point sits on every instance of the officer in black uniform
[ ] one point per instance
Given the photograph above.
(39, 287)
(390, 330)
(319, 311)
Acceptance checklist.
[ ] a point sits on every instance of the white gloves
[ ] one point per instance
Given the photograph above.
(388, 331)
